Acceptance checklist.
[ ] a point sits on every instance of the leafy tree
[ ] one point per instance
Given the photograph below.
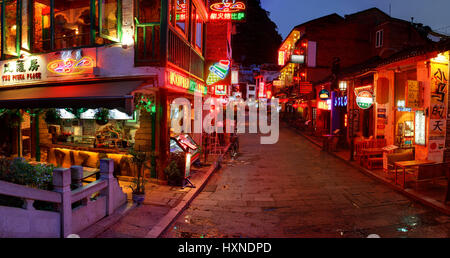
(257, 40)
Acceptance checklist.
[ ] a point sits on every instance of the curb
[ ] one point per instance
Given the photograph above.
(174, 213)
(439, 206)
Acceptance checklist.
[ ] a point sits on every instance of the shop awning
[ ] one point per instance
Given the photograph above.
(87, 95)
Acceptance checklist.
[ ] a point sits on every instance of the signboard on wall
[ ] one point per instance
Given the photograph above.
(227, 10)
(364, 99)
(25, 70)
(181, 81)
(413, 94)
(218, 73)
(438, 111)
(419, 125)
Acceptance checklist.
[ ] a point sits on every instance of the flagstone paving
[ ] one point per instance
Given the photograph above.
(293, 189)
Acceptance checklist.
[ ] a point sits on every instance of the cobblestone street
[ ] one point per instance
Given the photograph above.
(293, 189)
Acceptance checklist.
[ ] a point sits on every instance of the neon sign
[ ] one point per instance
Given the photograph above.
(324, 94)
(324, 104)
(219, 90)
(181, 10)
(218, 72)
(340, 101)
(227, 10)
(69, 65)
(364, 99)
(178, 80)
(281, 58)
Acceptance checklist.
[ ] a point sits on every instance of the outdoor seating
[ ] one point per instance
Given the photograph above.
(429, 172)
(395, 157)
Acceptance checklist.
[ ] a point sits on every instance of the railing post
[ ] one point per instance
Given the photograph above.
(61, 184)
(77, 176)
(106, 173)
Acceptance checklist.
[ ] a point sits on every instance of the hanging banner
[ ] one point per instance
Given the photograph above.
(438, 111)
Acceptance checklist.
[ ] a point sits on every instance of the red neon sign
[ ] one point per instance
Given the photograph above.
(228, 6)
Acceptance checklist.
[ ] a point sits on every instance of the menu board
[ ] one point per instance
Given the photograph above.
(419, 125)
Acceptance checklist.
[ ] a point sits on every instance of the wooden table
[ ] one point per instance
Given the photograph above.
(88, 172)
(409, 164)
(370, 152)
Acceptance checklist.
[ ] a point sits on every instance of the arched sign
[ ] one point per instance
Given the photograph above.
(324, 94)
(364, 99)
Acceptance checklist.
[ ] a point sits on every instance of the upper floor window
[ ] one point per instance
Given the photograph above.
(179, 15)
(61, 24)
(379, 38)
(10, 20)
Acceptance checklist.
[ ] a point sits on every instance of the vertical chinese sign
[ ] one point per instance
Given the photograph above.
(438, 111)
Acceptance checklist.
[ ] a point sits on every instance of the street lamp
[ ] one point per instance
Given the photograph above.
(343, 85)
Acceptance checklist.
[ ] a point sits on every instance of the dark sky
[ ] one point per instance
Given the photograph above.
(288, 13)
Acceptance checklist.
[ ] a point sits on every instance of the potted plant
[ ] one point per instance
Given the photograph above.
(102, 116)
(140, 160)
(175, 170)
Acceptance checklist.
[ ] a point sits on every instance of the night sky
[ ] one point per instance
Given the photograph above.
(288, 13)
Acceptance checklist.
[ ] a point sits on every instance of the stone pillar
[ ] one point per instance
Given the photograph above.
(61, 184)
(77, 176)
(106, 173)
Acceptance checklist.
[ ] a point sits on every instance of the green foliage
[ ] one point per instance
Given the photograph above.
(53, 117)
(175, 170)
(13, 117)
(18, 171)
(77, 111)
(140, 159)
(102, 116)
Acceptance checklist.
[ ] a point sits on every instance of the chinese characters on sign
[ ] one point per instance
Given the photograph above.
(438, 113)
(227, 10)
(22, 71)
(419, 125)
(413, 96)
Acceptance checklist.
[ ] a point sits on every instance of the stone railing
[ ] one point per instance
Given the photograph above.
(29, 222)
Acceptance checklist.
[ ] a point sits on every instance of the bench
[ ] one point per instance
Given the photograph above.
(430, 172)
(374, 163)
(395, 157)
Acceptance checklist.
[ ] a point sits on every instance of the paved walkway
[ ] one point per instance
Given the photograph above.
(293, 189)
(159, 200)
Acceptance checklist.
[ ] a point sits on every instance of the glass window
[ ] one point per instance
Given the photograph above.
(109, 11)
(10, 28)
(41, 26)
(72, 23)
(173, 12)
(182, 14)
(199, 32)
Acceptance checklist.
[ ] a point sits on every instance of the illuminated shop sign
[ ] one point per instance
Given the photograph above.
(181, 10)
(22, 70)
(219, 73)
(298, 59)
(262, 90)
(340, 101)
(71, 63)
(324, 94)
(324, 104)
(227, 10)
(364, 99)
(219, 90)
(281, 58)
(178, 80)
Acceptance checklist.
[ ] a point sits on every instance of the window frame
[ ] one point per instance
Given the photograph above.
(119, 22)
(93, 32)
(379, 37)
(4, 55)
